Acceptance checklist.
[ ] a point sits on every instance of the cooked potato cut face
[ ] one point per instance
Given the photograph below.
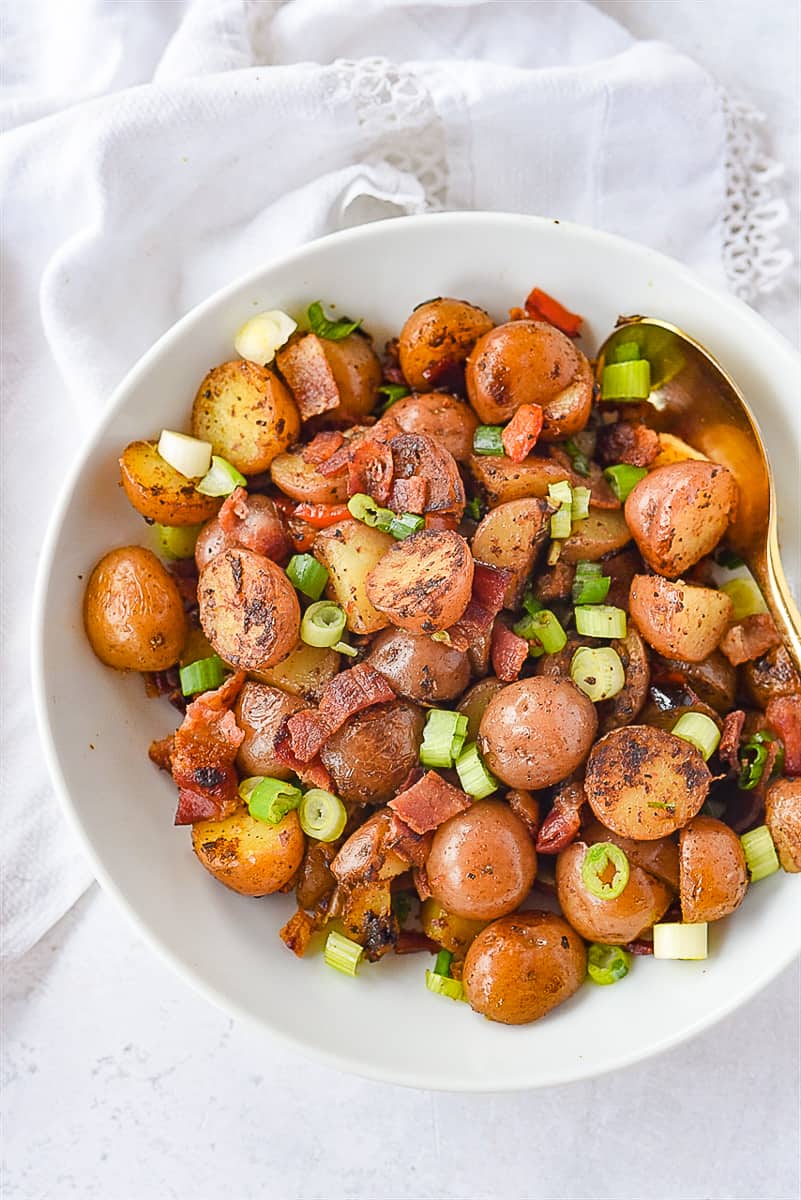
(501, 479)
(679, 619)
(712, 871)
(644, 783)
(350, 551)
(247, 414)
(159, 492)
(679, 513)
(304, 672)
(601, 533)
(302, 480)
(132, 612)
(248, 609)
(423, 583)
(251, 857)
(512, 536)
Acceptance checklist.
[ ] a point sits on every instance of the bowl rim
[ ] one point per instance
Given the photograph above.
(573, 1072)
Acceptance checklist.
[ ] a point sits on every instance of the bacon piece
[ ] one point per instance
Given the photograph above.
(475, 623)
(542, 307)
(508, 652)
(411, 495)
(370, 470)
(414, 941)
(783, 715)
(203, 755)
(297, 932)
(347, 694)
(161, 752)
(519, 437)
(390, 362)
(447, 375)
(526, 806)
(729, 748)
(322, 446)
(601, 494)
(428, 803)
(627, 442)
(489, 586)
(440, 521)
(253, 522)
(312, 772)
(306, 370)
(555, 583)
(750, 638)
(412, 847)
(185, 573)
(337, 464)
(563, 822)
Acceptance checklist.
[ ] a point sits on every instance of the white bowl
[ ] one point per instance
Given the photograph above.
(96, 724)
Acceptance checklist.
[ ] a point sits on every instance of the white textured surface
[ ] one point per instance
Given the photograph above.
(122, 1084)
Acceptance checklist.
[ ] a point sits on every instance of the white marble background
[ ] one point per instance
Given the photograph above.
(121, 1084)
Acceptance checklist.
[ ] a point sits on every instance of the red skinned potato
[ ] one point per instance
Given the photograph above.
(243, 520)
(423, 583)
(418, 667)
(371, 756)
(474, 703)
(783, 819)
(679, 620)
(437, 338)
(332, 380)
(616, 922)
(261, 711)
(679, 513)
(249, 610)
(132, 612)
(511, 536)
(438, 415)
(434, 470)
(712, 871)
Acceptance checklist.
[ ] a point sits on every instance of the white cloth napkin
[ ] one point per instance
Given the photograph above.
(156, 149)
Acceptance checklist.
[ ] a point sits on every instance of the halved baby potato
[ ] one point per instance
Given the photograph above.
(783, 819)
(423, 583)
(159, 492)
(436, 340)
(247, 414)
(302, 481)
(712, 870)
(132, 611)
(331, 379)
(679, 513)
(304, 672)
(679, 619)
(511, 536)
(614, 922)
(251, 857)
(349, 551)
(248, 609)
(603, 532)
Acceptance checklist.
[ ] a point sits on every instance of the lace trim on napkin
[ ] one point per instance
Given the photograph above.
(753, 255)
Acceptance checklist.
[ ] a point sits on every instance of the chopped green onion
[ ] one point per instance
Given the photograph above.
(393, 392)
(487, 440)
(272, 799)
(600, 620)
(443, 737)
(623, 479)
(473, 509)
(332, 331)
(221, 480)
(554, 550)
(341, 953)
(474, 777)
(607, 964)
(307, 575)
(189, 456)
(627, 380)
(675, 940)
(578, 460)
(746, 598)
(588, 570)
(248, 786)
(590, 589)
(531, 604)
(561, 492)
(443, 964)
(262, 335)
(562, 520)
(344, 648)
(543, 627)
(176, 541)
(442, 636)
(580, 508)
(599, 860)
(760, 853)
(403, 526)
(699, 730)
(598, 672)
(323, 624)
(443, 986)
(753, 756)
(364, 509)
(201, 676)
(625, 352)
(323, 816)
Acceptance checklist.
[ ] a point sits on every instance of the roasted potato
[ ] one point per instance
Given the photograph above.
(420, 458)
(502, 480)
(350, 551)
(302, 480)
(626, 706)
(474, 703)
(449, 931)
(712, 871)
(615, 922)
(159, 492)
(522, 966)
(261, 712)
(371, 756)
(249, 610)
(783, 819)
(247, 414)
(252, 857)
(419, 668)
(512, 536)
(677, 514)
(436, 340)
(771, 677)
(250, 521)
(659, 857)
(331, 380)
(364, 855)
(132, 612)
(537, 731)
(482, 862)
(678, 619)
(446, 419)
(423, 583)
(603, 532)
(673, 450)
(304, 672)
(644, 783)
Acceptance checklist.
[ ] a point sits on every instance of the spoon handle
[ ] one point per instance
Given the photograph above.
(770, 576)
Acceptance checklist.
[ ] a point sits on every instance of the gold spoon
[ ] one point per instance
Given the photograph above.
(694, 398)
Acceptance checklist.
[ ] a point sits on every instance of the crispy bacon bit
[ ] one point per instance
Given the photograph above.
(563, 822)
(322, 446)
(639, 946)
(750, 638)
(347, 694)
(297, 932)
(390, 362)
(312, 772)
(413, 941)
(410, 846)
(475, 623)
(411, 495)
(729, 748)
(508, 652)
(447, 375)
(370, 470)
(161, 751)
(783, 715)
(305, 368)
(542, 307)
(254, 522)
(489, 586)
(428, 803)
(526, 806)
(601, 494)
(519, 437)
(205, 748)
(627, 442)
(337, 464)
(555, 583)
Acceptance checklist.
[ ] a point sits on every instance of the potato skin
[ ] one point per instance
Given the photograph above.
(423, 583)
(520, 967)
(626, 706)
(659, 857)
(512, 536)
(474, 703)
(679, 619)
(247, 414)
(616, 922)
(251, 857)
(439, 333)
(603, 532)
(349, 551)
(770, 677)
(537, 731)
(302, 481)
(712, 871)
(132, 612)
(261, 711)
(438, 415)
(418, 667)
(644, 783)
(482, 862)
(783, 819)
(678, 513)
(714, 680)
(371, 756)
(304, 672)
(449, 931)
(249, 610)
(501, 480)
(159, 492)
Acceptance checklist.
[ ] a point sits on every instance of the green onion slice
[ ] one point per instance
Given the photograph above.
(248, 786)
(607, 964)
(201, 676)
(341, 953)
(443, 964)
(753, 756)
(544, 628)
(189, 456)
(344, 648)
(332, 331)
(600, 620)
(487, 439)
(591, 589)
(675, 940)
(322, 815)
(406, 524)
(699, 730)
(221, 480)
(625, 352)
(364, 509)
(531, 604)
(746, 598)
(308, 575)
(393, 393)
(580, 507)
(602, 860)
(588, 570)
(562, 520)
(473, 509)
(578, 459)
(443, 737)
(626, 380)
(176, 541)
(443, 986)
(272, 799)
(623, 479)
(598, 672)
(323, 624)
(760, 853)
(474, 777)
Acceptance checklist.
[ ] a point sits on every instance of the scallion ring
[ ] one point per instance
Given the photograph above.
(601, 861)
(323, 624)
(607, 964)
(323, 816)
(272, 799)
